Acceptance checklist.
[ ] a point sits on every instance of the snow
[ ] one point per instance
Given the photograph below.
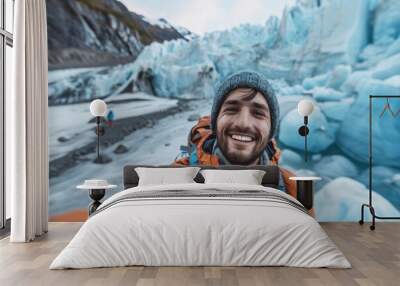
(162, 23)
(396, 180)
(341, 199)
(353, 81)
(393, 49)
(290, 90)
(95, 83)
(339, 27)
(296, 23)
(185, 33)
(147, 104)
(326, 94)
(337, 110)
(338, 76)
(385, 181)
(72, 121)
(387, 68)
(333, 79)
(312, 82)
(291, 160)
(393, 81)
(335, 166)
(387, 22)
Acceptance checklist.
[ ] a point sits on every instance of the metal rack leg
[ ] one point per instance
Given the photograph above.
(372, 211)
(361, 221)
(374, 216)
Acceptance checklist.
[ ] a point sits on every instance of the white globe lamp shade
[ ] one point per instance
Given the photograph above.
(305, 107)
(98, 107)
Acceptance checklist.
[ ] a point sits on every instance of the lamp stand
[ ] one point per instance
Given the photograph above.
(303, 131)
(99, 132)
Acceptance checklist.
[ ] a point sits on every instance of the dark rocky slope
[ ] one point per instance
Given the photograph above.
(84, 33)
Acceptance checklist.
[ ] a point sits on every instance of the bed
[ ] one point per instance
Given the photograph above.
(197, 224)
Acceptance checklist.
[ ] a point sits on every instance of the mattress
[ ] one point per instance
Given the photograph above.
(201, 225)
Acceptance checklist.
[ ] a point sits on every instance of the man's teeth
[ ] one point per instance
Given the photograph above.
(243, 138)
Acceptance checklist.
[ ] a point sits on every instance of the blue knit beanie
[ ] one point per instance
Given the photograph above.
(246, 79)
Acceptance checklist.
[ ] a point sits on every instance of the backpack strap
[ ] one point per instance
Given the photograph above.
(275, 151)
(200, 130)
(198, 135)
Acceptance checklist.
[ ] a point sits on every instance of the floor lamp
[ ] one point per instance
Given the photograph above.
(305, 107)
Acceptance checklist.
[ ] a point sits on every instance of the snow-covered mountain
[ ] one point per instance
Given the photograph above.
(163, 23)
(85, 33)
(188, 35)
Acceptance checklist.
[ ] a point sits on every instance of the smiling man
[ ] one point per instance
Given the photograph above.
(241, 129)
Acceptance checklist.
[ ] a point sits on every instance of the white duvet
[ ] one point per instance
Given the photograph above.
(200, 231)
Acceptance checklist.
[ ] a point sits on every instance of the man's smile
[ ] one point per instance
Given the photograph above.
(241, 137)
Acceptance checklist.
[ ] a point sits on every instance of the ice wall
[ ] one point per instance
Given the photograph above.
(308, 40)
(339, 27)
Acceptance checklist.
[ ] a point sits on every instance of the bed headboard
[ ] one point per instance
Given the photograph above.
(271, 177)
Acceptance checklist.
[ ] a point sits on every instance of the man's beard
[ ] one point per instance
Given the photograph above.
(241, 157)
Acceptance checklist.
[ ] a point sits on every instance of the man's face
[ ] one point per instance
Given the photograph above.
(243, 126)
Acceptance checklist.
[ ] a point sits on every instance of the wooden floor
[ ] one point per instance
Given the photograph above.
(375, 257)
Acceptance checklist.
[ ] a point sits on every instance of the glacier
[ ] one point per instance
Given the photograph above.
(337, 53)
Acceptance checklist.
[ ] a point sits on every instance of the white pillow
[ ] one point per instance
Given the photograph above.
(162, 176)
(248, 177)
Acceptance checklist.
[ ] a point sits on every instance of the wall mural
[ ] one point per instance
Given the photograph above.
(157, 65)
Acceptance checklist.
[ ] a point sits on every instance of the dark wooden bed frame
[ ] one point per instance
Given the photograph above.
(271, 177)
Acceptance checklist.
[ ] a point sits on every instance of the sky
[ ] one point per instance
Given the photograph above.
(201, 16)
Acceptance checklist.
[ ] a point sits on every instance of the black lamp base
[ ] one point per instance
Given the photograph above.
(102, 159)
(96, 195)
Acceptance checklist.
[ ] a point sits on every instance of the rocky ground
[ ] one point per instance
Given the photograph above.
(119, 130)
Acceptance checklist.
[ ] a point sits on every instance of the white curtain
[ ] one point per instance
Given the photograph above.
(26, 117)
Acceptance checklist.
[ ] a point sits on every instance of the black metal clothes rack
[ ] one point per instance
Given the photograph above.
(370, 203)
